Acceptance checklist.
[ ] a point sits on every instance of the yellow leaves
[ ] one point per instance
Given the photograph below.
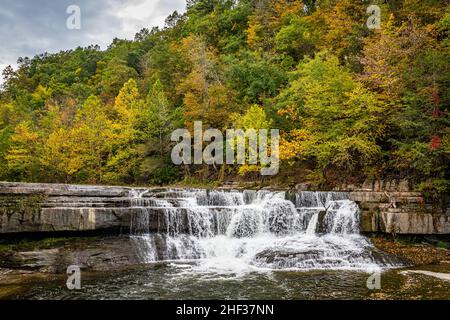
(127, 101)
(62, 152)
(24, 135)
(83, 146)
(70, 151)
(21, 156)
(340, 23)
(100, 135)
(246, 168)
(195, 81)
(289, 112)
(41, 93)
(252, 34)
(254, 118)
(189, 42)
(285, 8)
(205, 97)
(197, 52)
(128, 108)
(294, 144)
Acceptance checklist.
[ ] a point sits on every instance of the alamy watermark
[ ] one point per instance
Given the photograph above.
(74, 278)
(73, 22)
(249, 147)
(374, 281)
(374, 20)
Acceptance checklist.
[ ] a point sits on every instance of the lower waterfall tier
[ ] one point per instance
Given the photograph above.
(266, 252)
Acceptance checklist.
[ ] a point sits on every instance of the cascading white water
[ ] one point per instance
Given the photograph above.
(312, 225)
(342, 217)
(241, 231)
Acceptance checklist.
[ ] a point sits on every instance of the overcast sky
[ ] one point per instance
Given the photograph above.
(29, 27)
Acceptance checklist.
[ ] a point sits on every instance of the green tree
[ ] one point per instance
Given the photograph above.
(23, 155)
(161, 120)
(112, 76)
(254, 119)
(79, 153)
(336, 122)
(253, 77)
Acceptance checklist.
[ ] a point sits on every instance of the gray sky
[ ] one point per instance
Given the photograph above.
(29, 27)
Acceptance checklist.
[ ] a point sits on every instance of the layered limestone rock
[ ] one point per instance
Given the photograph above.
(55, 207)
(398, 222)
(399, 212)
(66, 208)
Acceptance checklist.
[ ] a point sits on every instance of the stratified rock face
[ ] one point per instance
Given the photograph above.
(378, 186)
(399, 213)
(415, 223)
(48, 189)
(405, 222)
(62, 208)
(52, 207)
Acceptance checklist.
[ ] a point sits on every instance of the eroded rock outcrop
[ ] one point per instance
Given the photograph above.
(54, 207)
(90, 254)
(389, 207)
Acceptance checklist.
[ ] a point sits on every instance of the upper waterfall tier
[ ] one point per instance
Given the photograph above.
(37, 207)
(241, 213)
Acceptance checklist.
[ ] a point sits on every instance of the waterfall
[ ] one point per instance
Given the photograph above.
(342, 217)
(312, 225)
(251, 230)
(318, 199)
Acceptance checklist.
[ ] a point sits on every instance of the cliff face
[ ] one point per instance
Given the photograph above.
(390, 207)
(399, 213)
(49, 207)
(385, 208)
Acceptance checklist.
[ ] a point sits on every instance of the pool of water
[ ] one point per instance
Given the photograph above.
(186, 281)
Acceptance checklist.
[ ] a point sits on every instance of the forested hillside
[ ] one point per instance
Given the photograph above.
(351, 102)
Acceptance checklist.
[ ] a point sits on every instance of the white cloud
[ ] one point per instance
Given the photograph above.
(139, 14)
(29, 27)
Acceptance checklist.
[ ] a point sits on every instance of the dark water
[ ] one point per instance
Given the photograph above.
(184, 281)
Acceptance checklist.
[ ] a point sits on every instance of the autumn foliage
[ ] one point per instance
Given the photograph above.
(350, 102)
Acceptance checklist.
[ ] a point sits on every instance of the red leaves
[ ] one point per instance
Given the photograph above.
(435, 98)
(435, 142)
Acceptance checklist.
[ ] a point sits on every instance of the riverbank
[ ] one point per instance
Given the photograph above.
(54, 255)
(417, 251)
